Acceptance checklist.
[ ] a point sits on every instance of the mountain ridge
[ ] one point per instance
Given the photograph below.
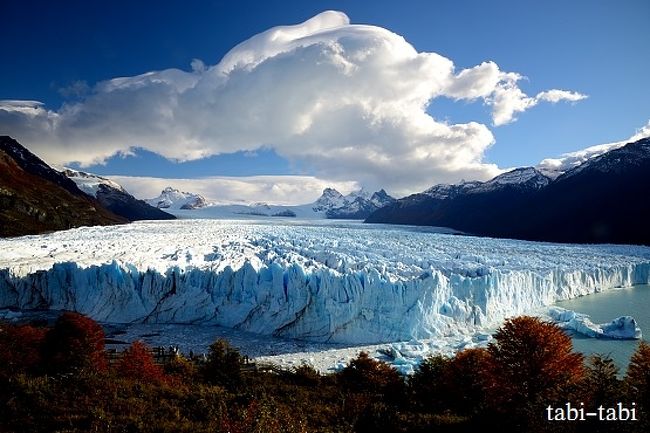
(586, 204)
(114, 197)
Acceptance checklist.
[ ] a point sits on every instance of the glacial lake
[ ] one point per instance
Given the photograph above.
(604, 307)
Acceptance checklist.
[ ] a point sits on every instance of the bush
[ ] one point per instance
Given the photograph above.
(76, 342)
(138, 363)
(306, 375)
(223, 366)
(181, 369)
(20, 349)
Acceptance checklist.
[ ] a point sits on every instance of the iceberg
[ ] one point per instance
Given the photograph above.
(344, 283)
(621, 328)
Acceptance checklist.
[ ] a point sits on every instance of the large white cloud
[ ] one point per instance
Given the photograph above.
(346, 101)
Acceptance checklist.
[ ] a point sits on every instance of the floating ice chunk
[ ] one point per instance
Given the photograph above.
(621, 328)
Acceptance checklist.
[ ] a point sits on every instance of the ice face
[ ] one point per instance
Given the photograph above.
(350, 283)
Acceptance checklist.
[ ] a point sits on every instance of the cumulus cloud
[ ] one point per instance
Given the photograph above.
(346, 101)
(553, 167)
(283, 190)
(507, 99)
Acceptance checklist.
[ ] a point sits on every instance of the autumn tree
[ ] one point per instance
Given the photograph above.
(374, 389)
(138, 363)
(75, 343)
(637, 380)
(20, 348)
(364, 374)
(427, 384)
(466, 380)
(532, 364)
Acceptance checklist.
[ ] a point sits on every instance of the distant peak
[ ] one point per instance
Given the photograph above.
(518, 175)
(331, 191)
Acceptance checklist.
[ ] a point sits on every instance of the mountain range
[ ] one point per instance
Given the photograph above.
(331, 204)
(35, 198)
(603, 200)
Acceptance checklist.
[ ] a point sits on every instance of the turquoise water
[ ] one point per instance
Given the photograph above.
(604, 307)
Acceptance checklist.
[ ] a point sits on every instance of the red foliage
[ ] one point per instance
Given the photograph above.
(240, 419)
(138, 363)
(532, 361)
(76, 342)
(21, 348)
(638, 377)
(467, 379)
(367, 375)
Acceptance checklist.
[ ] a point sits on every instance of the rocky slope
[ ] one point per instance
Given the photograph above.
(115, 198)
(35, 198)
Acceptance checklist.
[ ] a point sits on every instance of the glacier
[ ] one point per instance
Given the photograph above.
(322, 282)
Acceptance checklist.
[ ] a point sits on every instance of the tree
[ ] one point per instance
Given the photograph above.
(373, 391)
(180, 369)
(466, 380)
(532, 365)
(223, 366)
(20, 348)
(367, 375)
(75, 343)
(138, 363)
(427, 383)
(637, 380)
(602, 386)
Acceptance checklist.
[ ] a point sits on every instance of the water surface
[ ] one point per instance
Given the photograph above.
(604, 307)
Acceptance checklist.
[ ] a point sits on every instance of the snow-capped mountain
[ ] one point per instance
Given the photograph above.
(597, 201)
(523, 177)
(330, 199)
(35, 198)
(171, 198)
(90, 183)
(331, 204)
(621, 159)
(356, 205)
(114, 197)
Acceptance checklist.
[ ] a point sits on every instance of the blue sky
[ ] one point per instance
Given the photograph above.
(58, 52)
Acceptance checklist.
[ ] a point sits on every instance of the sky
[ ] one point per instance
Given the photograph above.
(399, 95)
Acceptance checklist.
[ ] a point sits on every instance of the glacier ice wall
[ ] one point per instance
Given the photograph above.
(336, 283)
